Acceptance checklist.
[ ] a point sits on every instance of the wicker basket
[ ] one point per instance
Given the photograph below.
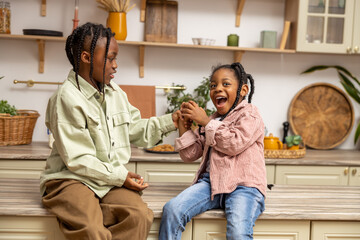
(286, 153)
(17, 130)
(283, 153)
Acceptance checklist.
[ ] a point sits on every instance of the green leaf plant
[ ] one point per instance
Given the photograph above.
(6, 108)
(201, 96)
(350, 83)
(293, 140)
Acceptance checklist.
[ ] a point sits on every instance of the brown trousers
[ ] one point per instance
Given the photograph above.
(120, 214)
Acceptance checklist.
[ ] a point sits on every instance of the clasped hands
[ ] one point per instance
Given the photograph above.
(190, 112)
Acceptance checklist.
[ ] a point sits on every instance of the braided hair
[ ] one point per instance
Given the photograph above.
(243, 78)
(79, 39)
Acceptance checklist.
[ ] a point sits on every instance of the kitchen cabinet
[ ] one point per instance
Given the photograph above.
(167, 172)
(335, 230)
(354, 176)
(325, 26)
(318, 175)
(32, 228)
(179, 172)
(264, 229)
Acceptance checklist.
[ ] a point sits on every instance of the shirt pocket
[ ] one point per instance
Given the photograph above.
(121, 122)
(96, 132)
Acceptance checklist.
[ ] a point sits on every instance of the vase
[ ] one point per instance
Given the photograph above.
(117, 22)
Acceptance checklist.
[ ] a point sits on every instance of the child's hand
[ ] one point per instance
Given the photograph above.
(191, 110)
(135, 182)
(176, 117)
(186, 120)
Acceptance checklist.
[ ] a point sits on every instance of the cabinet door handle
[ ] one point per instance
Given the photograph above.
(354, 171)
(356, 49)
(348, 49)
(346, 171)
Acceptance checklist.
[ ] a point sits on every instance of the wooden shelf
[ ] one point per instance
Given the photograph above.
(238, 51)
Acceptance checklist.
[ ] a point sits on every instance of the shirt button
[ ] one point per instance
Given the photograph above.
(107, 118)
(109, 155)
(113, 143)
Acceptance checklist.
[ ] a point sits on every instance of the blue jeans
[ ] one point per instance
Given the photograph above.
(242, 208)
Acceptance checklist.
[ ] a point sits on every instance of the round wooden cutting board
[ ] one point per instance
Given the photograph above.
(322, 114)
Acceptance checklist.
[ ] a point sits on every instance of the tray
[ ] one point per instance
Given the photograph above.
(41, 32)
(322, 114)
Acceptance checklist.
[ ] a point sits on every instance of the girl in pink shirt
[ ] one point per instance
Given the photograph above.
(232, 173)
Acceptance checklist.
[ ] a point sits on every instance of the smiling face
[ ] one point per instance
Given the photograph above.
(223, 89)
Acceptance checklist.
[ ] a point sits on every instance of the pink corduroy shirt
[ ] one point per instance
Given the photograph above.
(237, 150)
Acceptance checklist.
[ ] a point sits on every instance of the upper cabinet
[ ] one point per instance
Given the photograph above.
(327, 26)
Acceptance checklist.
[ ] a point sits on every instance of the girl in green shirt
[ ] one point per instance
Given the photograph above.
(85, 183)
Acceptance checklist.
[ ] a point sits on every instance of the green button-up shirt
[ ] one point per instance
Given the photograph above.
(93, 136)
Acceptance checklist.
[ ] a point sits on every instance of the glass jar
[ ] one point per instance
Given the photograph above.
(5, 14)
(233, 40)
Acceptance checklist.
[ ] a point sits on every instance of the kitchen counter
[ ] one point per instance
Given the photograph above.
(41, 150)
(22, 198)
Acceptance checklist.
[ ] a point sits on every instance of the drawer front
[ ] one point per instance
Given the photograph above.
(354, 176)
(29, 169)
(270, 174)
(335, 230)
(167, 172)
(312, 175)
(264, 229)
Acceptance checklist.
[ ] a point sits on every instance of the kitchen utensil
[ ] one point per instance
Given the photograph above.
(322, 114)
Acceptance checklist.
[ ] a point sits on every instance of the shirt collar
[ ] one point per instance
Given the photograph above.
(86, 88)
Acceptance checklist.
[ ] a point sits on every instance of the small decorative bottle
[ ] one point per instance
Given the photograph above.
(5, 14)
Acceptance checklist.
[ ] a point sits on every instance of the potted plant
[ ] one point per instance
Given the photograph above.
(116, 20)
(201, 96)
(350, 83)
(293, 142)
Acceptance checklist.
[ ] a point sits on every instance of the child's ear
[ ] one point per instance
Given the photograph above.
(244, 90)
(85, 57)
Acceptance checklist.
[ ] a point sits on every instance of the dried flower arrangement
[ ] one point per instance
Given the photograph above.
(115, 5)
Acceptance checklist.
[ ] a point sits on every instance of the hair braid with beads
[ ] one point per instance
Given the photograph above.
(75, 44)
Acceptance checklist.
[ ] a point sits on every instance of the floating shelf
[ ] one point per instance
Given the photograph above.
(238, 51)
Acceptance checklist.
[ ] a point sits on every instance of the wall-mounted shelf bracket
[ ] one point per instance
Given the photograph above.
(41, 45)
(43, 8)
(238, 56)
(141, 60)
(239, 9)
(142, 10)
